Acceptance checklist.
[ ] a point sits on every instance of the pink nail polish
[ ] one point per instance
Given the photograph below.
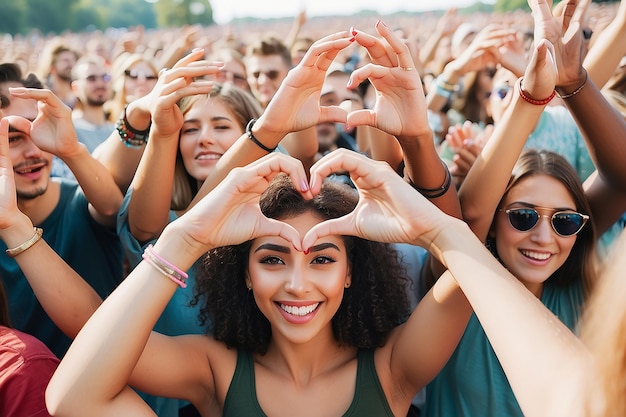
(304, 186)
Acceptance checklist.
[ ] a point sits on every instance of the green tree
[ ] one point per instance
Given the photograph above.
(13, 14)
(49, 16)
(174, 13)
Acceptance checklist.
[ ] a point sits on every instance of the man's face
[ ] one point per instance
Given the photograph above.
(265, 73)
(335, 93)
(92, 85)
(63, 64)
(31, 165)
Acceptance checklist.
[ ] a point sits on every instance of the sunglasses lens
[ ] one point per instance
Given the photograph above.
(523, 219)
(567, 224)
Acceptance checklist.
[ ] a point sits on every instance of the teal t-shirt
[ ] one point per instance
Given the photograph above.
(92, 250)
(178, 318)
(556, 131)
(473, 382)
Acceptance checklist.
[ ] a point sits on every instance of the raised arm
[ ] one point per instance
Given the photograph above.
(546, 364)
(486, 181)
(64, 295)
(92, 376)
(294, 108)
(608, 49)
(400, 111)
(53, 131)
(601, 124)
(152, 184)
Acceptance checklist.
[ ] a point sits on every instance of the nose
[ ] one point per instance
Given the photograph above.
(542, 233)
(205, 137)
(296, 283)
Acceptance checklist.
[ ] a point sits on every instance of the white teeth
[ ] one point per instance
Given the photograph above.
(212, 156)
(536, 255)
(299, 311)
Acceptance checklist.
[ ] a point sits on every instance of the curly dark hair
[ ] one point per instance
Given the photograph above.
(376, 302)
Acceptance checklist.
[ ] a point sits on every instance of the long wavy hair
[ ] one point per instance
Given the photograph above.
(375, 303)
(582, 262)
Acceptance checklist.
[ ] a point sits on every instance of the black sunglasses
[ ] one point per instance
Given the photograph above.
(132, 74)
(564, 223)
(271, 74)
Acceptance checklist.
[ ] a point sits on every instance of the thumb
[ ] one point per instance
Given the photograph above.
(333, 227)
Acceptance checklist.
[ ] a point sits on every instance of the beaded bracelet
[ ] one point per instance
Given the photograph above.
(446, 86)
(254, 139)
(531, 100)
(13, 252)
(130, 136)
(164, 267)
(435, 192)
(573, 93)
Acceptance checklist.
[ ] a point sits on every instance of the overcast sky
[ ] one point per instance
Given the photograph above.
(225, 10)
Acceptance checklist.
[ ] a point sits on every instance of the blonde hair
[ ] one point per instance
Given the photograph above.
(123, 62)
(603, 330)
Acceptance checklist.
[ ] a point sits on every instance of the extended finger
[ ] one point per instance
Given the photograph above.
(379, 54)
(4, 137)
(319, 54)
(400, 49)
(342, 226)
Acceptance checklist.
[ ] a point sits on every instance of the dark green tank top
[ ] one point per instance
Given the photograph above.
(369, 398)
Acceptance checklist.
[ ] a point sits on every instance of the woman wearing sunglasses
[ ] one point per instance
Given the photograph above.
(534, 214)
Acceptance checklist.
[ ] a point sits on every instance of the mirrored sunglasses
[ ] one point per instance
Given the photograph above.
(501, 92)
(564, 223)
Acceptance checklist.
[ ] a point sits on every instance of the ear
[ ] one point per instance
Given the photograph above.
(348, 280)
(248, 281)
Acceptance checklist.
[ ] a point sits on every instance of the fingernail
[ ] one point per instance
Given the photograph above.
(353, 31)
(304, 186)
(307, 251)
(17, 90)
(352, 39)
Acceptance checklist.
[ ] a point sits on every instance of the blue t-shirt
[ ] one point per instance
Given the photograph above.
(92, 250)
(473, 382)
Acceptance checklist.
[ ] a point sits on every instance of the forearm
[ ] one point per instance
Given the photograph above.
(96, 182)
(538, 353)
(149, 206)
(302, 145)
(607, 51)
(120, 159)
(488, 177)
(381, 146)
(63, 294)
(426, 171)
(604, 130)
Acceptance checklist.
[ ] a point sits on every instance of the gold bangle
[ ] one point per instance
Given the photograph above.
(26, 245)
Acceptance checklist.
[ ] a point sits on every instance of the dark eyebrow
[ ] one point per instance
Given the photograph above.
(323, 246)
(285, 249)
(273, 247)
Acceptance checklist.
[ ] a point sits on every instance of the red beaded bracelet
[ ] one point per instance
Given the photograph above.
(532, 100)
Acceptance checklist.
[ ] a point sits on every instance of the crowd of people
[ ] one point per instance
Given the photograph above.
(413, 216)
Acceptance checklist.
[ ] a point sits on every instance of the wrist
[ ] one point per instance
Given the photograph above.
(266, 134)
(18, 231)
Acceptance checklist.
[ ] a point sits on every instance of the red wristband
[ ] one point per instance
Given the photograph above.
(532, 100)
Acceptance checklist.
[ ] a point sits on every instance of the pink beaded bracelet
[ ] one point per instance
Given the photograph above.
(165, 267)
